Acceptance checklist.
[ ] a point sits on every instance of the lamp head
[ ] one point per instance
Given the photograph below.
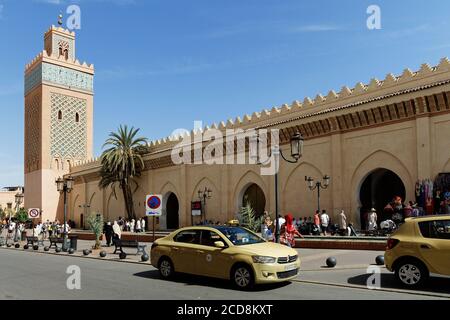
(297, 142)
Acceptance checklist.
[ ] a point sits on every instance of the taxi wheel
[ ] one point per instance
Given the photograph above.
(166, 269)
(411, 273)
(242, 277)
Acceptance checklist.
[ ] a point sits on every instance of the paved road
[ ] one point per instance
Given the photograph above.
(29, 275)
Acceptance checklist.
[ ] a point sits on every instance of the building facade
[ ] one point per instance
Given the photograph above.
(374, 140)
(8, 198)
(58, 118)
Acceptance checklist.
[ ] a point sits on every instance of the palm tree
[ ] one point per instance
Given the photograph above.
(122, 162)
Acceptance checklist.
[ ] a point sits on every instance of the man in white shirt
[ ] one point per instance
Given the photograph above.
(324, 221)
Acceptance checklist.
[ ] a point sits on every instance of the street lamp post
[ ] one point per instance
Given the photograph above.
(203, 195)
(297, 142)
(318, 185)
(65, 186)
(19, 200)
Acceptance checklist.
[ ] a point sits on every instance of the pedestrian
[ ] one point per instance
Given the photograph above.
(266, 229)
(316, 226)
(309, 225)
(108, 233)
(143, 225)
(138, 226)
(343, 222)
(324, 222)
(372, 220)
(117, 233)
(289, 231)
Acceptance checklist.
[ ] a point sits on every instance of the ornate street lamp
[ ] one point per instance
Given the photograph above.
(203, 195)
(297, 143)
(65, 186)
(318, 185)
(19, 200)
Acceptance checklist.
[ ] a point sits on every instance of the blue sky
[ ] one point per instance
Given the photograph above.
(161, 64)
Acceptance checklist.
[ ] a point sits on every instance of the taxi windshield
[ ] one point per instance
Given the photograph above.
(240, 236)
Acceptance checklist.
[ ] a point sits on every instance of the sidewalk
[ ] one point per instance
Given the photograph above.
(88, 244)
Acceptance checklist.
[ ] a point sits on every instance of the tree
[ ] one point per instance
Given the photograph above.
(22, 216)
(248, 218)
(122, 162)
(95, 223)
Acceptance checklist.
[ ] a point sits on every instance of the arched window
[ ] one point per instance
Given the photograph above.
(59, 115)
(77, 117)
(57, 164)
(60, 51)
(68, 164)
(66, 54)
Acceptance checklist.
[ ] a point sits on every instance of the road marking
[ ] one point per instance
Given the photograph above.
(351, 286)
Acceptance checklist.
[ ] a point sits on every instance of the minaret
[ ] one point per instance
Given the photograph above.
(58, 119)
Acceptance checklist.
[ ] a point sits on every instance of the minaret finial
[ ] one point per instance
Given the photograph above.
(60, 19)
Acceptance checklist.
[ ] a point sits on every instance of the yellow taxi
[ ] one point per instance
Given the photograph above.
(419, 247)
(227, 252)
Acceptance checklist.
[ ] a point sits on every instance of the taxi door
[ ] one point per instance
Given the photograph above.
(213, 261)
(434, 247)
(184, 251)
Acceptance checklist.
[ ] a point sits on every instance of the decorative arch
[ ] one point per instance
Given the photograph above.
(247, 179)
(296, 198)
(167, 188)
(74, 207)
(303, 165)
(447, 166)
(379, 159)
(204, 181)
(113, 212)
(92, 198)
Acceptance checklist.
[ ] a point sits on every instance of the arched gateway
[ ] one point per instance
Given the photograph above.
(377, 190)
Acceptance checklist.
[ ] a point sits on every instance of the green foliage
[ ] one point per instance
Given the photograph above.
(122, 162)
(95, 223)
(248, 218)
(22, 216)
(2, 214)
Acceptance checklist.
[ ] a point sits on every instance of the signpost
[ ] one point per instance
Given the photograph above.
(196, 210)
(153, 208)
(33, 213)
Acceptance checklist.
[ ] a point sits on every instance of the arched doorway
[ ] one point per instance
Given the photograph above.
(172, 212)
(255, 196)
(377, 190)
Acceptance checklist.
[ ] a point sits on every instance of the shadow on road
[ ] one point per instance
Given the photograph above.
(388, 281)
(191, 280)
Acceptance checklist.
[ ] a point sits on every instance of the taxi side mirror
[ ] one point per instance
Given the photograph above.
(219, 244)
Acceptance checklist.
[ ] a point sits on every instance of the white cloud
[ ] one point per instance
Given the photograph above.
(409, 31)
(316, 28)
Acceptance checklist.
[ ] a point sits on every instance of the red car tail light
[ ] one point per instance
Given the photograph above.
(391, 243)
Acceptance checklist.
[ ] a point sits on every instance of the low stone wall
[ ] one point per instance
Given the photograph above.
(344, 243)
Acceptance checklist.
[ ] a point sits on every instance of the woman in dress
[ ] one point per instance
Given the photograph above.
(289, 231)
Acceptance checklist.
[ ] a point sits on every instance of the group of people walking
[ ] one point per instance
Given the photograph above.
(114, 230)
(291, 227)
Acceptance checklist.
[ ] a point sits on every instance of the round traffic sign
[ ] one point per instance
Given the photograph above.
(33, 213)
(154, 202)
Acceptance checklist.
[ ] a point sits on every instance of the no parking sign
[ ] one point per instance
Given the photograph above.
(153, 205)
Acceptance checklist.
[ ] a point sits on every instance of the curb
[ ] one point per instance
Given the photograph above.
(63, 254)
